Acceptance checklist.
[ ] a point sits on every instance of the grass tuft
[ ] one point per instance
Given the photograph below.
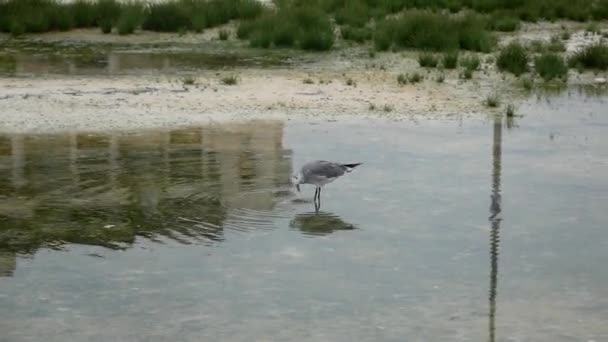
(527, 83)
(223, 34)
(513, 58)
(450, 60)
(357, 34)
(402, 79)
(591, 57)
(466, 74)
(471, 62)
(492, 100)
(415, 78)
(550, 65)
(427, 60)
(188, 81)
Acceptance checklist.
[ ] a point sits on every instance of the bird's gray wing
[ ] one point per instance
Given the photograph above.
(322, 168)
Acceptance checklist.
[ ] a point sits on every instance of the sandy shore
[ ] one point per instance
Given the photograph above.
(130, 102)
(346, 83)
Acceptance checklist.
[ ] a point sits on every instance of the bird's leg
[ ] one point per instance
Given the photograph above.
(317, 206)
(315, 197)
(319, 196)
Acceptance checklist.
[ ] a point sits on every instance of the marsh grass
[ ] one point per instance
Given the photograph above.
(33, 16)
(591, 57)
(424, 24)
(466, 74)
(504, 23)
(527, 83)
(450, 60)
(402, 79)
(428, 60)
(223, 34)
(188, 81)
(553, 45)
(471, 62)
(415, 78)
(357, 34)
(492, 100)
(513, 58)
(130, 19)
(433, 31)
(429, 25)
(307, 28)
(550, 65)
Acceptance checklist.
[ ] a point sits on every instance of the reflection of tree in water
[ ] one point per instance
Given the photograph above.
(319, 223)
(107, 190)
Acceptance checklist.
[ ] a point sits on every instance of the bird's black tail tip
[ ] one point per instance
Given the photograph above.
(351, 166)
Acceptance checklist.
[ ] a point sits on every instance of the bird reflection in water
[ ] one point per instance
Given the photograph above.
(319, 223)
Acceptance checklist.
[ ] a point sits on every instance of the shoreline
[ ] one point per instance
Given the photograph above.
(345, 82)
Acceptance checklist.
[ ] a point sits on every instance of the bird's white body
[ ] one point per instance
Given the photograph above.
(321, 172)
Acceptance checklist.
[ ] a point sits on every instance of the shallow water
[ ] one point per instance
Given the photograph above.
(451, 230)
(25, 59)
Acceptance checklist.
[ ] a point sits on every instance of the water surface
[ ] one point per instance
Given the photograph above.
(452, 230)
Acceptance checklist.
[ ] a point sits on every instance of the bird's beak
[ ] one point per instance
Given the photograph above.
(298, 187)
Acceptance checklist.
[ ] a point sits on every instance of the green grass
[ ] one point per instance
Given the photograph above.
(427, 60)
(554, 45)
(466, 74)
(434, 32)
(513, 58)
(450, 60)
(591, 57)
(402, 79)
(527, 83)
(130, 19)
(188, 81)
(357, 34)
(505, 23)
(550, 65)
(307, 28)
(223, 34)
(33, 16)
(430, 25)
(471, 62)
(415, 78)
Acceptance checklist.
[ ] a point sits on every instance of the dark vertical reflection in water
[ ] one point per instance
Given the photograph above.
(495, 209)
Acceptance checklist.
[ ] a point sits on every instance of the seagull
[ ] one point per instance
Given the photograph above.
(321, 172)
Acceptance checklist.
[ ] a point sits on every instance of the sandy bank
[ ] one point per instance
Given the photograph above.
(130, 102)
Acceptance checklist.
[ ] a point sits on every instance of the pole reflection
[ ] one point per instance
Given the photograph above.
(495, 220)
